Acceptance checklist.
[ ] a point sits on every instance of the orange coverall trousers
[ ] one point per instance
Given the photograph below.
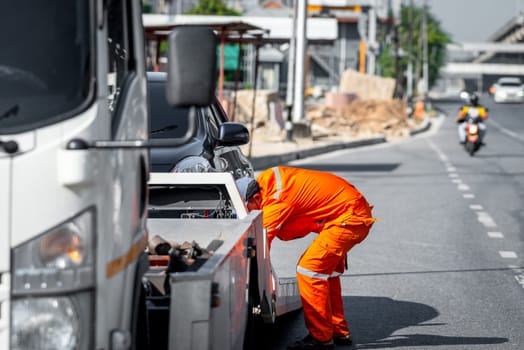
(318, 272)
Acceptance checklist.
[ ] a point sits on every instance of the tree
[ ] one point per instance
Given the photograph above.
(213, 8)
(437, 40)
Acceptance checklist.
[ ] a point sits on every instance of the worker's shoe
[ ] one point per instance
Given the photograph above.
(343, 339)
(311, 343)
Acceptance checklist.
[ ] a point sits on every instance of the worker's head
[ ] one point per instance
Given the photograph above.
(250, 192)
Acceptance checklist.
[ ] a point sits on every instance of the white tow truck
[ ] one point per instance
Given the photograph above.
(74, 222)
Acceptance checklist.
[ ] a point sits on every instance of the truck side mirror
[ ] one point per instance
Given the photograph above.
(191, 66)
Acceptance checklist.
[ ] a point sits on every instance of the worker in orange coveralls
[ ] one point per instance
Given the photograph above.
(296, 202)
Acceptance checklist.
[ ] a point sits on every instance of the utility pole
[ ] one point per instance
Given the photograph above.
(298, 106)
(291, 76)
(418, 56)
(425, 69)
(372, 39)
(398, 74)
(409, 74)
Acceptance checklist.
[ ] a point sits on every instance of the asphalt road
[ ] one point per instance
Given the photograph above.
(444, 266)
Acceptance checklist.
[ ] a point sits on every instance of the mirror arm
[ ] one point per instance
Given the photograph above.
(80, 144)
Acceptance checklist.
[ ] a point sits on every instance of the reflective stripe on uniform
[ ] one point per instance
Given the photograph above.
(306, 272)
(278, 182)
(312, 274)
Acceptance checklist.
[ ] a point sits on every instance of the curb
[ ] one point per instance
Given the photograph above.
(264, 162)
(426, 125)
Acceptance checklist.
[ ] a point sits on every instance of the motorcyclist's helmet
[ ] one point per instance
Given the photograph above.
(474, 100)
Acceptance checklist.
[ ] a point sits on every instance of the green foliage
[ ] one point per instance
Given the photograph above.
(386, 62)
(213, 8)
(163, 47)
(437, 40)
(146, 8)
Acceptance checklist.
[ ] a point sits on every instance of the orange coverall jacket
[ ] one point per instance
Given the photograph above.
(297, 202)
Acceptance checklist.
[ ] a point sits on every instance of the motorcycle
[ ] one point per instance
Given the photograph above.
(473, 142)
(471, 128)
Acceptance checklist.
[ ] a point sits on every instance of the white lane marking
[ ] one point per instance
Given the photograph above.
(437, 150)
(485, 219)
(457, 181)
(520, 279)
(508, 254)
(494, 234)
(506, 131)
(519, 274)
(463, 187)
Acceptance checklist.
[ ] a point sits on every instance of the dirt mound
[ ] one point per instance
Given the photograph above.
(362, 118)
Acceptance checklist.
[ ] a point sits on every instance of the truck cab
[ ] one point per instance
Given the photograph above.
(72, 211)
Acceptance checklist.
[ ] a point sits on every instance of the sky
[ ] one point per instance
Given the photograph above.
(473, 20)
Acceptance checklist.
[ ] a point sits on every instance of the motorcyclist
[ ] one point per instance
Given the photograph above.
(472, 110)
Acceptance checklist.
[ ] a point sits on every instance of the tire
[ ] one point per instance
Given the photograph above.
(470, 148)
(139, 323)
(255, 332)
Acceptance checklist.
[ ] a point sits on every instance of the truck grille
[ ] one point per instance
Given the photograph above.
(4, 310)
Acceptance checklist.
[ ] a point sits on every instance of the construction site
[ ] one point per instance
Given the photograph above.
(363, 106)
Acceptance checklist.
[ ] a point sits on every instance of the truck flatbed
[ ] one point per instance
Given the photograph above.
(207, 207)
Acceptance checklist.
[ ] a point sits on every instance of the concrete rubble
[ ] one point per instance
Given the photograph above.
(362, 118)
(362, 111)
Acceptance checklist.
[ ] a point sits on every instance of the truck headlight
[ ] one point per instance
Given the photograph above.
(45, 323)
(53, 279)
(62, 248)
(58, 260)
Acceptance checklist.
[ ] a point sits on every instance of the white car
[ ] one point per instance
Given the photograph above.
(508, 89)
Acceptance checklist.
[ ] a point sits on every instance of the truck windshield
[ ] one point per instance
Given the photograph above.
(45, 62)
